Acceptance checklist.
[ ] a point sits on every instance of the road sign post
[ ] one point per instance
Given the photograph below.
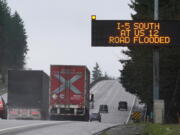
(158, 106)
(158, 111)
(156, 58)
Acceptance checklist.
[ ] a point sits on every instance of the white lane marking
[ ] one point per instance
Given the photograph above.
(131, 110)
(24, 126)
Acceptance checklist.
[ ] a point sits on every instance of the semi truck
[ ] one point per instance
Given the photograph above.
(69, 94)
(28, 94)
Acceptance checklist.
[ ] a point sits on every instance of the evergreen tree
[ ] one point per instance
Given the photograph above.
(106, 75)
(13, 45)
(19, 44)
(137, 74)
(5, 19)
(96, 73)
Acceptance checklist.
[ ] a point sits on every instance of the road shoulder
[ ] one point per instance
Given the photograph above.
(129, 129)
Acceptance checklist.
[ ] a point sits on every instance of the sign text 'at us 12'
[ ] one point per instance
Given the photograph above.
(135, 33)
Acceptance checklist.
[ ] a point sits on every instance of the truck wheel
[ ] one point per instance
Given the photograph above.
(4, 116)
(53, 117)
(86, 117)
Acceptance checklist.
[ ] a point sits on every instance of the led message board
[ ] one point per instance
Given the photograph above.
(135, 33)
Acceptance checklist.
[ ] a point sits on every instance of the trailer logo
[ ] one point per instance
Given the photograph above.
(69, 82)
(61, 96)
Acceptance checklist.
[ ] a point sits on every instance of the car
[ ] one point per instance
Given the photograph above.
(95, 116)
(3, 109)
(123, 105)
(103, 108)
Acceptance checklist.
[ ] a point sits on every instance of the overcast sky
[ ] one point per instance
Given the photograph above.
(59, 32)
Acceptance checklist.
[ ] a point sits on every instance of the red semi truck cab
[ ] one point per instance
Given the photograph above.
(69, 91)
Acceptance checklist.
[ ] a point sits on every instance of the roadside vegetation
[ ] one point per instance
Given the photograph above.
(145, 129)
(157, 129)
(98, 76)
(13, 44)
(104, 134)
(137, 73)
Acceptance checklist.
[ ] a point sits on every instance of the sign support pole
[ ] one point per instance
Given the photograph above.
(156, 59)
(156, 73)
(158, 105)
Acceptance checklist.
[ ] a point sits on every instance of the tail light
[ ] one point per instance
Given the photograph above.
(1, 105)
(35, 113)
(13, 112)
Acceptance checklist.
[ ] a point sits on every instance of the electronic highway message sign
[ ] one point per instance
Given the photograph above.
(112, 33)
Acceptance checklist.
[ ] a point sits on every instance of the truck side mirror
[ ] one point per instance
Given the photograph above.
(92, 97)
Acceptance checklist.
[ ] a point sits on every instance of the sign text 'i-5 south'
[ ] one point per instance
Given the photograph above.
(135, 33)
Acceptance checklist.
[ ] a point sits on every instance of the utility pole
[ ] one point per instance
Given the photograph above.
(158, 105)
(156, 58)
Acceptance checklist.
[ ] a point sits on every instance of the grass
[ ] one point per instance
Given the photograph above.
(158, 129)
(104, 134)
(153, 129)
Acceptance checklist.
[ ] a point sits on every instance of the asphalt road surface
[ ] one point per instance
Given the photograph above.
(111, 92)
(105, 92)
(31, 127)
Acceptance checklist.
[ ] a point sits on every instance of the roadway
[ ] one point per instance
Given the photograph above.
(29, 127)
(105, 92)
(111, 92)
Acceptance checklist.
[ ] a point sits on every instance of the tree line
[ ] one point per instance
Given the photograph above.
(98, 76)
(13, 44)
(97, 73)
(137, 73)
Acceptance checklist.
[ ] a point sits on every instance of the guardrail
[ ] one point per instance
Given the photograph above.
(133, 105)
